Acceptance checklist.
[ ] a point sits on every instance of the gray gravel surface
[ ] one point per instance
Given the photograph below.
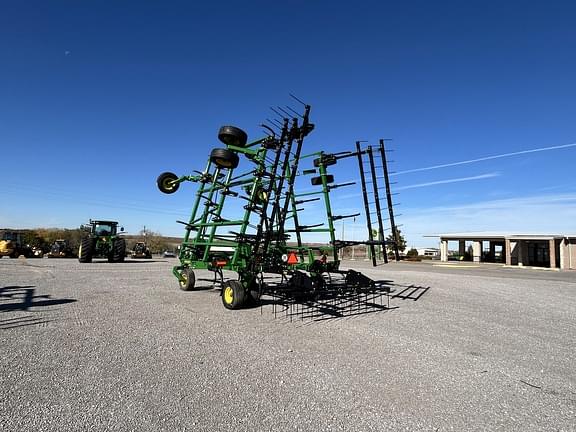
(118, 347)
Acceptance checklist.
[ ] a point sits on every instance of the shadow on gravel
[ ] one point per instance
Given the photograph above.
(210, 284)
(144, 261)
(22, 298)
(105, 261)
(334, 301)
(343, 302)
(10, 323)
(410, 292)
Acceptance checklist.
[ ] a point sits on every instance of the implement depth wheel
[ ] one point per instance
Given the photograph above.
(166, 182)
(234, 295)
(233, 136)
(189, 279)
(224, 158)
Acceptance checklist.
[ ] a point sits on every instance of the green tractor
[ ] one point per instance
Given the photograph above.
(102, 241)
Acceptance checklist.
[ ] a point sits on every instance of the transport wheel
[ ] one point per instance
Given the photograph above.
(166, 183)
(234, 295)
(326, 160)
(254, 293)
(318, 180)
(189, 279)
(86, 250)
(261, 196)
(224, 158)
(231, 135)
(119, 250)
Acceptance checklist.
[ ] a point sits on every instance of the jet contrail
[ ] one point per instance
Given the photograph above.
(486, 158)
(455, 180)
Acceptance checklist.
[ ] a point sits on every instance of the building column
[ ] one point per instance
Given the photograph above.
(444, 250)
(507, 252)
(552, 246)
(492, 246)
(461, 247)
(476, 251)
(520, 247)
(563, 254)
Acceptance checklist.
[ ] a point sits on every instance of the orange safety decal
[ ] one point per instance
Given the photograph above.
(292, 258)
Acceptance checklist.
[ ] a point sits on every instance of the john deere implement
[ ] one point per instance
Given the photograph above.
(267, 211)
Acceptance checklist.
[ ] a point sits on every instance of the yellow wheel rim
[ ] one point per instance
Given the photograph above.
(184, 279)
(228, 295)
(262, 196)
(168, 184)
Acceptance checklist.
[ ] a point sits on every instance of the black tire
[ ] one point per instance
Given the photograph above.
(165, 182)
(326, 160)
(224, 158)
(316, 181)
(254, 293)
(234, 295)
(86, 250)
(118, 250)
(189, 279)
(233, 136)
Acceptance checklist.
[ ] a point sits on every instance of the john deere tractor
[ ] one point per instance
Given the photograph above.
(102, 241)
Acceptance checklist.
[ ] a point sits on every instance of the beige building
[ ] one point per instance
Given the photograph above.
(552, 251)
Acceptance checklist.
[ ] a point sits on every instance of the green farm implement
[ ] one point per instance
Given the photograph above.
(266, 236)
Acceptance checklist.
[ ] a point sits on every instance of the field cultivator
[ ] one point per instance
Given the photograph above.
(267, 235)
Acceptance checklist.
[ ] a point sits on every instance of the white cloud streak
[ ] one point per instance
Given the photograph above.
(447, 181)
(470, 161)
(427, 184)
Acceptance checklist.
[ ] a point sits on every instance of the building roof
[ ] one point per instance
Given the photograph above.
(500, 236)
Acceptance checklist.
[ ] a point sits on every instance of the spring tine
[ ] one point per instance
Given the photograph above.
(274, 123)
(268, 129)
(279, 114)
(278, 123)
(291, 95)
(284, 111)
(295, 112)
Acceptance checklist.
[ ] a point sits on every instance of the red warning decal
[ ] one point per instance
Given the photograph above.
(292, 258)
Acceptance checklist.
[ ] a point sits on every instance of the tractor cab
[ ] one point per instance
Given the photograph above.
(103, 228)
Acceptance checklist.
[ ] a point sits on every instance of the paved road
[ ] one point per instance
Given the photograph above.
(117, 347)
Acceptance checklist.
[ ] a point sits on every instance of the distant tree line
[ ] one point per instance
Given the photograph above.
(43, 238)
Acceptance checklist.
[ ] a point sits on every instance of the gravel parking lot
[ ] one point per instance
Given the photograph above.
(118, 347)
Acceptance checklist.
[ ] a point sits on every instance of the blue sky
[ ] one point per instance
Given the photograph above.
(98, 98)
